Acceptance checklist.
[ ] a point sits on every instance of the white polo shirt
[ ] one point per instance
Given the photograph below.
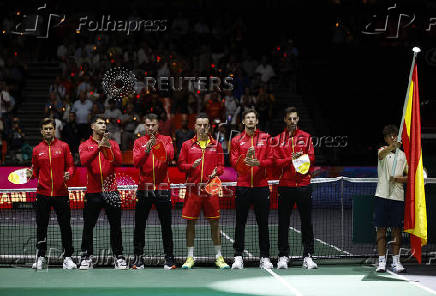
(386, 189)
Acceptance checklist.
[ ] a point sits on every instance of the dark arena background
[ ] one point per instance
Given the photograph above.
(344, 64)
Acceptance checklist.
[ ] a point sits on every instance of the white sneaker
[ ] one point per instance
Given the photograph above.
(309, 264)
(238, 263)
(381, 266)
(397, 268)
(120, 263)
(40, 264)
(86, 264)
(283, 263)
(265, 263)
(69, 264)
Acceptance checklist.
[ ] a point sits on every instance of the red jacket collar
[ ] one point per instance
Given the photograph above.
(256, 133)
(52, 143)
(286, 132)
(92, 139)
(211, 143)
(147, 137)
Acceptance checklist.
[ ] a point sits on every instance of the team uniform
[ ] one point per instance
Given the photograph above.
(154, 189)
(49, 163)
(389, 196)
(252, 188)
(294, 187)
(100, 164)
(212, 156)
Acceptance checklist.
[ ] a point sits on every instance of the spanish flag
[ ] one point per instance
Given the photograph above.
(415, 213)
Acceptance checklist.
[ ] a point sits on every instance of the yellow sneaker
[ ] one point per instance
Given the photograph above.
(189, 263)
(221, 263)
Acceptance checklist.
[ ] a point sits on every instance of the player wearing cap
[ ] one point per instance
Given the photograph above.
(294, 156)
(52, 165)
(100, 156)
(151, 154)
(251, 155)
(201, 158)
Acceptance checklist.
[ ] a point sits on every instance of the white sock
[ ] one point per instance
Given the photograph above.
(190, 251)
(395, 259)
(218, 250)
(381, 259)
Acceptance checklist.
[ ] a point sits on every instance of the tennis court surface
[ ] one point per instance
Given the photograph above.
(327, 280)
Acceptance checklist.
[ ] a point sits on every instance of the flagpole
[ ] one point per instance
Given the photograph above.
(415, 50)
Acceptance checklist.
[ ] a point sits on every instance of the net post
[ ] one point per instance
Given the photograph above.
(342, 211)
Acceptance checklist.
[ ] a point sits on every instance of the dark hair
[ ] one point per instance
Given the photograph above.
(202, 115)
(390, 130)
(252, 110)
(290, 110)
(151, 116)
(98, 116)
(48, 120)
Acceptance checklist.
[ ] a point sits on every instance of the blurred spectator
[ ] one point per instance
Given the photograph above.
(180, 25)
(129, 121)
(165, 125)
(183, 134)
(113, 115)
(214, 106)
(249, 65)
(84, 85)
(58, 88)
(221, 135)
(265, 70)
(62, 52)
(54, 106)
(264, 103)
(16, 140)
(71, 134)
(1, 141)
(5, 100)
(82, 108)
(194, 103)
(58, 125)
(248, 101)
(140, 128)
(232, 107)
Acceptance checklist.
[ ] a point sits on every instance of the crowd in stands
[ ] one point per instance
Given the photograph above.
(12, 78)
(77, 95)
(193, 47)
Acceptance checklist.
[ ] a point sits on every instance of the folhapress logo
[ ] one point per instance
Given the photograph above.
(107, 24)
(40, 23)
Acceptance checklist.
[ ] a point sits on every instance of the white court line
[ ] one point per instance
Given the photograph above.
(274, 275)
(402, 277)
(323, 242)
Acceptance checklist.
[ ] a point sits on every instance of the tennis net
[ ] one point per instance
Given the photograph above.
(342, 223)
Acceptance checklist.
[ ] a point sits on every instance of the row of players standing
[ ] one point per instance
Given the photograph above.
(202, 159)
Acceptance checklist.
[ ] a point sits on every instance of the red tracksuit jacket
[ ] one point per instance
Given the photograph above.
(99, 168)
(49, 163)
(284, 146)
(263, 152)
(152, 170)
(211, 157)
